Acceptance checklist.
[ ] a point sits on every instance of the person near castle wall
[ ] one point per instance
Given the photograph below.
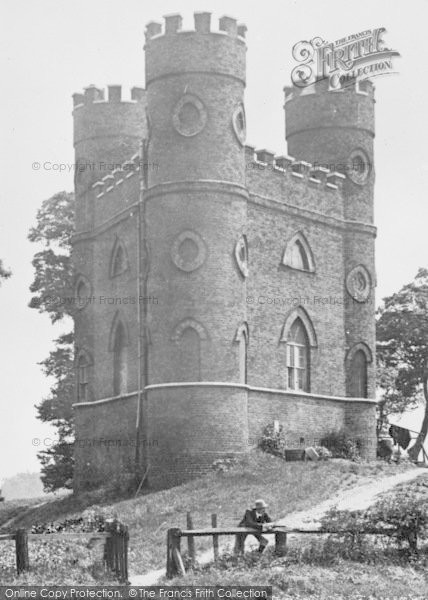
(255, 518)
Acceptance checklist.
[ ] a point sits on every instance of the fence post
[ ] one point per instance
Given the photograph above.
(125, 556)
(190, 539)
(21, 546)
(108, 548)
(173, 545)
(215, 537)
(280, 543)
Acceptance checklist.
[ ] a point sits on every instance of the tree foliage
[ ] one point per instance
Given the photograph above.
(4, 273)
(402, 333)
(51, 287)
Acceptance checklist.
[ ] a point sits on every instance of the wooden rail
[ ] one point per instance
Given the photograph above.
(174, 561)
(116, 539)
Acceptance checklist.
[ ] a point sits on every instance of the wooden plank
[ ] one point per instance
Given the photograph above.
(83, 536)
(237, 530)
(190, 539)
(7, 536)
(215, 536)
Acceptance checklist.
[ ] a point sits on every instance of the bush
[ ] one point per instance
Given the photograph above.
(342, 445)
(273, 440)
(402, 515)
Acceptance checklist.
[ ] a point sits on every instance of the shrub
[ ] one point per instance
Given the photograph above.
(273, 440)
(342, 445)
(402, 515)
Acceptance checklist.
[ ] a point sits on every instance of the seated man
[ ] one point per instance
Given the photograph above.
(255, 518)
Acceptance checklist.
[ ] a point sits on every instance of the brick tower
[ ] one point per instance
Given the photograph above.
(196, 213)
(335, 129)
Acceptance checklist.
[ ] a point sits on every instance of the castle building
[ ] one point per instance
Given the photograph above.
(219, 288)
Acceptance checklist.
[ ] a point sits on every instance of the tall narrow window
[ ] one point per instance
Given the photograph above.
(189, 348)
(242, 337)
(119, 259)
(82, 379)
(120, 366)
(298, 357)
(358, 375)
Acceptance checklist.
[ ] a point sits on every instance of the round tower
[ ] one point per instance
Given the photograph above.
(105, 131)
(196, 211)
(335, 129)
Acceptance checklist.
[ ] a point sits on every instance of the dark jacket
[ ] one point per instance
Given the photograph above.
(251, 520)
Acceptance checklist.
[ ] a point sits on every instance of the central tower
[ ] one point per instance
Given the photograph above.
(195, 406)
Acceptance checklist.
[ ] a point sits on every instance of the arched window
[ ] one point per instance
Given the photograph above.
(82, 376)
(120, 363)
(119, 259)
(83, 365)
(299, 260)
(298, 254)
(298, 357)
(358, 375)
(242, 338)
(188, 336)
(190, 355)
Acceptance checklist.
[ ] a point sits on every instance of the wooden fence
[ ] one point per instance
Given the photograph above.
(116, 539)
(174, 561)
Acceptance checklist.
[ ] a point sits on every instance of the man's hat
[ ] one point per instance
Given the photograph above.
(260, 504)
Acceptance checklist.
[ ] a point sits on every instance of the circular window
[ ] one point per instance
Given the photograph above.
(189, 116)
(188, 251)
(359, 167)
(358, 283)
(239, 124)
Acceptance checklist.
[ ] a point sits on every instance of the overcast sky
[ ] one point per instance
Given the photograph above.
(53, 48)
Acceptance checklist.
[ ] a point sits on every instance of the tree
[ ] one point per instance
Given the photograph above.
(4, 273)
(52, 285)
(402, 333)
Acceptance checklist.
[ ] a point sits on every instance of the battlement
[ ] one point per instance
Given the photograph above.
(202, 24)
(117, 176)
(298, 170)
(94, 95)
(351, 86)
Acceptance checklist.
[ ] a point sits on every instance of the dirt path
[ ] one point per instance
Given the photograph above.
(357, 498)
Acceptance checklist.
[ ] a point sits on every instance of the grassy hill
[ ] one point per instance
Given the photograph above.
(285, 486)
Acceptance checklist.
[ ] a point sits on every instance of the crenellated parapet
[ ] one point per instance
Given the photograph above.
(170, 48)
(296, 170)
(93, 94)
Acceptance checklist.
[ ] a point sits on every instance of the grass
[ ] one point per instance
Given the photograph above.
(285, 486)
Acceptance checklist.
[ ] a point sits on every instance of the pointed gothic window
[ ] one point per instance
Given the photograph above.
(358, 375)
(120, 366)
(119, 259)
(298, 357)
(83, 365)
(298, 254)
(242, 340)
(190, 355)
